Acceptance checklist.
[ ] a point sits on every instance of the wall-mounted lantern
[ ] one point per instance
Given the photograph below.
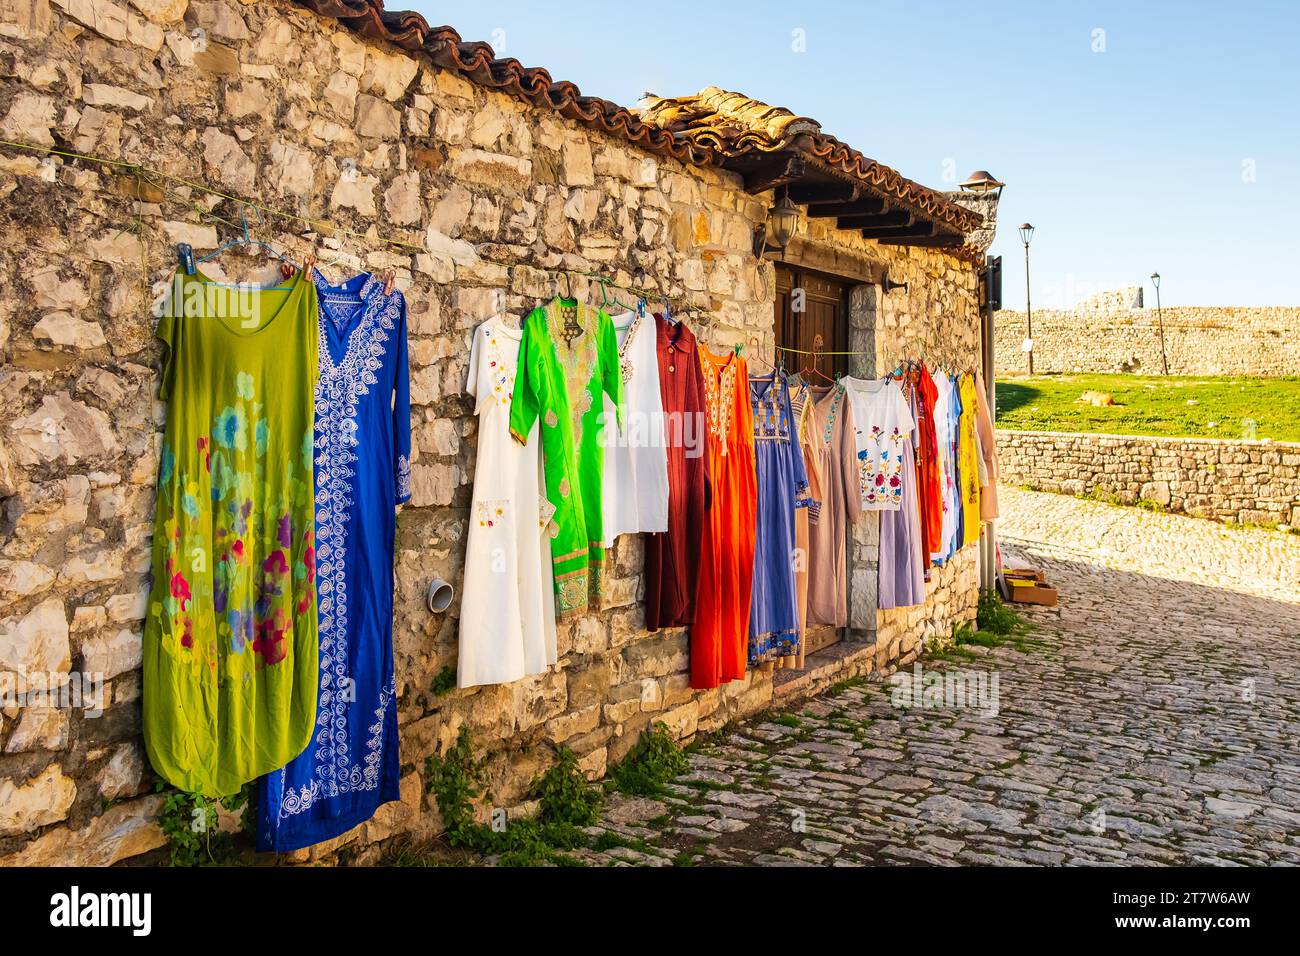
(785, 220)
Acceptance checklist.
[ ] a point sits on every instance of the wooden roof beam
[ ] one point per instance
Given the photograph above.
(816, 194)
(915, 230)
(896, 218)
(786, 169)
(867, 205)
(943, 241)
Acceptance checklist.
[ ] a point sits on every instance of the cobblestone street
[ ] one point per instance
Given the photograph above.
(1152, 718)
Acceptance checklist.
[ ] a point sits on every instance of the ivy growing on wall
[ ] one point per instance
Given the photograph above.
(566, 804)
(189, 820)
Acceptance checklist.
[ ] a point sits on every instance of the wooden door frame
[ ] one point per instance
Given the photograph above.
(839, 364)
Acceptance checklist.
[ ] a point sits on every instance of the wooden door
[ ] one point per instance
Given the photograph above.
(811, 312)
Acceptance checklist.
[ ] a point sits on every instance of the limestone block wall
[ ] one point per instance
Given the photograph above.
(1198, 341)
(1255, 482)
(271, 103)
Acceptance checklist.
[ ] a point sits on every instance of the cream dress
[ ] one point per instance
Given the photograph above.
(507, 612)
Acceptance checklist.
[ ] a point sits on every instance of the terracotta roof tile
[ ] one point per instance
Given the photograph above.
(478, 63)
(714, 127)
(732, 125)
(728, 123)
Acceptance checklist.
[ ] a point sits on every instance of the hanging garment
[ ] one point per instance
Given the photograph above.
(230, 640)
(801, 407)
(988, 451)
(719, 637)
(834, 437)
(900, 574)
(883, 424)
(945, 429)
(926, 448)
(568, 356)
(959, 512)
(363, 471)
(969, 460)
(782, 487)
(672, 559)
(507, 610)
(636, 463)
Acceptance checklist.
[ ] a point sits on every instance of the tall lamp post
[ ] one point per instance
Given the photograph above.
(1160, 320)
(1027, 233)
(982, 182)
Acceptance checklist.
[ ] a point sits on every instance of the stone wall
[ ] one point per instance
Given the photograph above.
(1198, 341)
(1253, 482)
(271, 103)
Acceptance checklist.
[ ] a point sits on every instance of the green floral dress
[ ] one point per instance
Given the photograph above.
(568, 356)
(230, 641)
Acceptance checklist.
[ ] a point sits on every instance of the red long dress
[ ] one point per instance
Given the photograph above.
(720, 636)
(927, 466)
(672, 558)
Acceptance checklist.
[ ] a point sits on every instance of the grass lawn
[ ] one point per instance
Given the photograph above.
(1153, 405)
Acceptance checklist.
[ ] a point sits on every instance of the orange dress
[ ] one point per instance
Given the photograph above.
(721, 632)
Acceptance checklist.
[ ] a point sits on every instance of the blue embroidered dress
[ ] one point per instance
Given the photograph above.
(363, 471)
(774, 621)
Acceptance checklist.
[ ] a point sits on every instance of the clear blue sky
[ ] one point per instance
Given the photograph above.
(1176, 148)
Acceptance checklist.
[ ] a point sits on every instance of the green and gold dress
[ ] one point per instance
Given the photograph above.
(569, 355)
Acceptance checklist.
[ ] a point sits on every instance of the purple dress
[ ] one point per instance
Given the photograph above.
(782, 487)
(900, 576)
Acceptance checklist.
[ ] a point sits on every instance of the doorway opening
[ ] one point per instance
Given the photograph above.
(811, 313)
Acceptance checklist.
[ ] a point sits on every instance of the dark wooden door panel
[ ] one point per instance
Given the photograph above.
(811, 314)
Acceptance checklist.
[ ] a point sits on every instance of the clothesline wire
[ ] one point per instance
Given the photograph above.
(648, 294)
(784, 348)
(897, 366)
(153, 176)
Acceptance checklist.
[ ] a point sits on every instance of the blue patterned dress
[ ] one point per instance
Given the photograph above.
(363, 471)
(774, 623)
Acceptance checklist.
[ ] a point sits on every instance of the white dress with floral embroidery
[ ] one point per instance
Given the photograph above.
(507, 613)
(883, 422)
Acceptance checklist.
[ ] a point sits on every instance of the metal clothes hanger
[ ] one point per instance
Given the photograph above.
(754, 345)
(606, 301)
(248, 241)
(642, 306)
(813, 369)
(663, 295)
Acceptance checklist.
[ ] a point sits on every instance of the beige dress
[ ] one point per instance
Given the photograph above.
(988, 452)
(830, 422)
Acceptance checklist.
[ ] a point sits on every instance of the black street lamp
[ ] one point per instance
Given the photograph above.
(1027, 233)
(1160, 320)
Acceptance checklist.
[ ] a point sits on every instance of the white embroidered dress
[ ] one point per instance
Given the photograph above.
(883, 422)
(507, 613)
(635, 489)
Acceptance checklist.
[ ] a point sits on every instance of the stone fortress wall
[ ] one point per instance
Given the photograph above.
(1247, 482)
(1115, 332)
